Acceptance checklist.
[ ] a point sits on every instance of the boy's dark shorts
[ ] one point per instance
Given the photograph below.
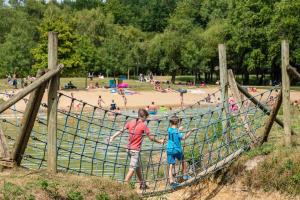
(172, 158)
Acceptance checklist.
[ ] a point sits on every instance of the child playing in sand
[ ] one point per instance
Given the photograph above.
(113, 105)
(136, 130)
(174, 150)
(124, 100)
(100, 101)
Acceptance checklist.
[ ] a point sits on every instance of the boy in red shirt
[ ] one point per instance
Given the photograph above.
(136, 129)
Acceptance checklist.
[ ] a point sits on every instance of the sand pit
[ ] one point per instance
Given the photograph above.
(140, 99)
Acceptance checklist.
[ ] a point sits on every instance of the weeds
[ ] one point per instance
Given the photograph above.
(102, 196)
(12, 192)
(74, 195)
(280, 171)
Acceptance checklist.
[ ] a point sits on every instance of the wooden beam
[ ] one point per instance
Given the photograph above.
(259, 105)
(286, 92)
(224, 89)
(38, 82)
(236, 94)
(271, 118)
(223, 75)
(52, 104)
(28, 120)
(4, 150)
(293, 71)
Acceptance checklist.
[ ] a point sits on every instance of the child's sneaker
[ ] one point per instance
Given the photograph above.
(174, 185)
(143, 186)
(186, 177)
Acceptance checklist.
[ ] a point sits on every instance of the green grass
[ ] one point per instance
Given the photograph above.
(134, 84)
(81, 82)
(30, 185)
(280, 169)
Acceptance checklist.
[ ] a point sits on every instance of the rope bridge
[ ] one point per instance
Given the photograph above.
(82, 130)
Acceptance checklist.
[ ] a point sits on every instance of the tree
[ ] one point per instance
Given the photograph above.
(54, 20)
(15, 50)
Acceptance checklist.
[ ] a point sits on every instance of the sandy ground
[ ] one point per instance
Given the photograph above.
(138, 100)
(233, 191)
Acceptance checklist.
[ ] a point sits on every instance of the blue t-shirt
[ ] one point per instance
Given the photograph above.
(174, 141)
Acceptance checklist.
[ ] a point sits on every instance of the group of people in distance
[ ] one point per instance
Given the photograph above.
(137, 129)
(113, 105)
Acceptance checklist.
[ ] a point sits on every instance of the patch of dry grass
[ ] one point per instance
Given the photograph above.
(21, 184)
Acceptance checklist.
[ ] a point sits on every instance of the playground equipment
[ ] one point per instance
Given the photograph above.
(63, 138)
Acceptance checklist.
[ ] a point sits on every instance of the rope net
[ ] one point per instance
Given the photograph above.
(82, 131)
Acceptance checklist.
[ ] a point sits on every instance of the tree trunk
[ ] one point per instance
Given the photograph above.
(173, 77)
(195, 79)
(246, 76)
(128, 74)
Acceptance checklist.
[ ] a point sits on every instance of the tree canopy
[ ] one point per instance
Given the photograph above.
(168, 37)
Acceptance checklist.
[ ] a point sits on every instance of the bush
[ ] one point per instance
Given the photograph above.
(74, 195)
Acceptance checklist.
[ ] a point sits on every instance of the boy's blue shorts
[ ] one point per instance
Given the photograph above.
(172, 158)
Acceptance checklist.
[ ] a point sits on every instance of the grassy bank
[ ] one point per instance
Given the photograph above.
(30, 185)
(278, 167)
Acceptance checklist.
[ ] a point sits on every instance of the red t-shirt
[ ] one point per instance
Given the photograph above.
(136, 130)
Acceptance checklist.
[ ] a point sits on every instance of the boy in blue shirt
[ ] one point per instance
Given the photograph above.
(174, 149)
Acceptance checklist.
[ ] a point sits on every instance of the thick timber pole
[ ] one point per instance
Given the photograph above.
(224, 87)
(286, 92)
(272, 117)
(52, 103)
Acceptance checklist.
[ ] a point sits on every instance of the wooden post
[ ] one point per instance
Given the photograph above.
(28, 120)
(293, 71)
(52, 104)
(286, 92)
(224, 86)
(223, 73)
(237, 96)
(271, 118)
(4, 151)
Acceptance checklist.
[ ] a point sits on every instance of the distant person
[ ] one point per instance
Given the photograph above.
(181, 92)
(9, 78)
(100, 101)
(118, 110)
(70, 85)
(151, 76)
(113, 105)
(152, 109)
(124, 100)
(91, 75)
(136, 129)
(15, 81)
(208, 99)
(175, 151)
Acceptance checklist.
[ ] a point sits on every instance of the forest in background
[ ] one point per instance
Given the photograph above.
(166, 37)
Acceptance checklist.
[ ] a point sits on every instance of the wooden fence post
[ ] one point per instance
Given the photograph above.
(237, 96)
(28, 120)
(286, 92)
(224, 86)
(52, 103)
(271, 118)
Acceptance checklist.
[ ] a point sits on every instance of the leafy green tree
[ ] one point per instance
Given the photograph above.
(15, 50)
(54, 20)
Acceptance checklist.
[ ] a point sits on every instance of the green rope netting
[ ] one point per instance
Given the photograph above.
(83, 129)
